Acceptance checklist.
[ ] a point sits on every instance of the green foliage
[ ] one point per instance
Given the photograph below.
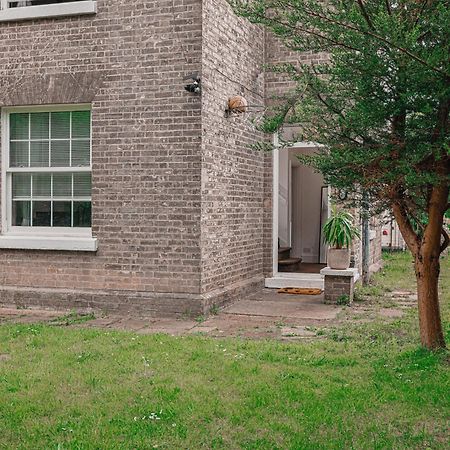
(339, 230)
(343, 300)
(379, 104)
(73, 318)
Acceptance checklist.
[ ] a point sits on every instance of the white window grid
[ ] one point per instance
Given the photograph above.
(7, 172)
(52, 198)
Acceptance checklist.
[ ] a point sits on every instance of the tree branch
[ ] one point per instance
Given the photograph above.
(419, 15)
(365, 14)
(381, 39)
(431, 244)
(444, 245)
(388, 7)
(408, 233)
(311, 32)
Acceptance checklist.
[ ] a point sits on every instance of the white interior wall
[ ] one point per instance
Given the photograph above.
(283, 199)
(306, 209)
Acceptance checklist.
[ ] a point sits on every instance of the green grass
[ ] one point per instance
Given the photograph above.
(369, 386)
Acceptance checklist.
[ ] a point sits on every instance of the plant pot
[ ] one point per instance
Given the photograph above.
(338, 258)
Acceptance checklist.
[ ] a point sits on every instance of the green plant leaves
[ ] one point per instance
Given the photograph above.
(339, 230)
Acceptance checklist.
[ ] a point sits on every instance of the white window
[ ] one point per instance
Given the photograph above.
(32, 9)
(47, 173)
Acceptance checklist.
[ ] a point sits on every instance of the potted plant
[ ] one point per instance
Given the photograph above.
(338, 233)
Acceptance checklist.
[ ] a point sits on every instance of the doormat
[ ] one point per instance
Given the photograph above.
(300, 291)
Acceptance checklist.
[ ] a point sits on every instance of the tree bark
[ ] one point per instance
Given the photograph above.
(426, 252)
(427, 276)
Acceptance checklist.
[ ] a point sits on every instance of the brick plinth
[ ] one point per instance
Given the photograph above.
(338, 285)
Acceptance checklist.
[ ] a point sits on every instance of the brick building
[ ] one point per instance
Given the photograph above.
(121, 190)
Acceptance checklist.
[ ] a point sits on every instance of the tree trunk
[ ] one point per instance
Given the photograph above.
(426, 253)
(427, 275)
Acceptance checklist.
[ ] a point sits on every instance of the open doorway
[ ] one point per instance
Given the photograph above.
(303, 207)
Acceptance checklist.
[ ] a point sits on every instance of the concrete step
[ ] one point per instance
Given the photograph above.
(295, 280)
(289, 264)
(284, 252)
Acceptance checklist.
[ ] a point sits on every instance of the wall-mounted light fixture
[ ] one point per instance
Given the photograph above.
(196, 86)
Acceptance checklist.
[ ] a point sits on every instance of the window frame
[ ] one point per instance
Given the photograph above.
(73, 236)
(43, 11)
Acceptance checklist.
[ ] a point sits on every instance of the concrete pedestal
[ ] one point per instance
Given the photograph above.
(339, 285)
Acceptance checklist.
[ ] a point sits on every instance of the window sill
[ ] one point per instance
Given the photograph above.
(43, 11)
(76, 244)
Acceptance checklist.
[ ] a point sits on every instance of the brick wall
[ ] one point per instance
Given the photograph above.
(146, 142)
(232, 174)
(182, 206)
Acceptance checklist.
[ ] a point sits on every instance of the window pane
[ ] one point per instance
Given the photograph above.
(21, 185)
(81, 184)
(62, 185)
(62, 214)
(41, 214)
(60, 154)
(39, 125)
(41, 185)
(81, 153)
(21, 214)
(18, 126)
(18, 154)
(39, 154)
(60, 125)
(82, 214)
(81, 124)
(44, 140)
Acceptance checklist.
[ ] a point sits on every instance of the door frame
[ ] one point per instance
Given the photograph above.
(275, 192)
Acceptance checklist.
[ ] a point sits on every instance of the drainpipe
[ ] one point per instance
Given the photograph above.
(365, 241)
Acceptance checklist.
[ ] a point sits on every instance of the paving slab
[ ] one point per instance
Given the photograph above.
(102, 322)
(263, 314)
(173, 327)
(285, 308)
(391, 313)
(299, 332)
(29, 315)
(36, 312)
(405, 295)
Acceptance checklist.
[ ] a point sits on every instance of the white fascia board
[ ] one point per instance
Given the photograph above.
(43, 11)
(77, 244)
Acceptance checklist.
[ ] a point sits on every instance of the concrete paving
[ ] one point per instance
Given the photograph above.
(263, 314)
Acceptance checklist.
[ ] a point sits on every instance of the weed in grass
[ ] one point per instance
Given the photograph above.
(371, 290)
(214, 310)
(73, 318)
(343, 300)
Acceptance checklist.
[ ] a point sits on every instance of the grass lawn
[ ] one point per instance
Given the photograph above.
(362, 386)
